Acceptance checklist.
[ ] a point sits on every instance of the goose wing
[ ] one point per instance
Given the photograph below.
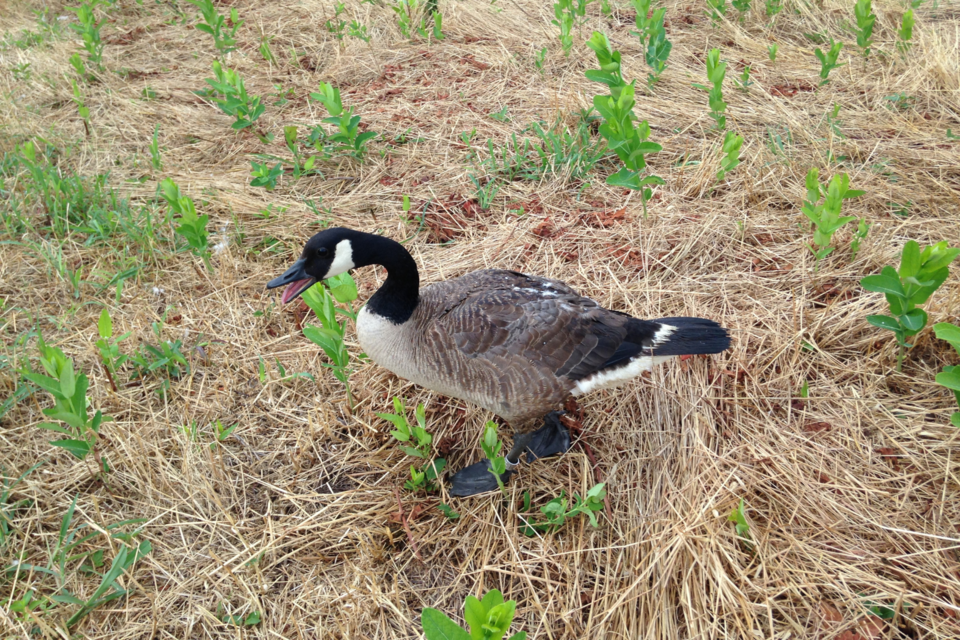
(513, 320)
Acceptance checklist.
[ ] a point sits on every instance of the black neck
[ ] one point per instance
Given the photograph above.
(397, 298)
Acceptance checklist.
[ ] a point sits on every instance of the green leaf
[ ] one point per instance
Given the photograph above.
(68, 381)
(105, 325)
(45, 383)
(884, 322)
(52, 426)
(437, 626)
(914, 320)
(476, 615)
(625, 178)
(79, 448)
(949, 332)
(520, 635)
(882, 284)
(955, 419)
(950, 380)
(910, 260)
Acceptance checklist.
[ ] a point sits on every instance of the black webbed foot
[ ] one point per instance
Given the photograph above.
(477, 478)
(549, 440)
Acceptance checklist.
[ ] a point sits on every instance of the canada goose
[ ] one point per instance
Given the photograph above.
(514, 344)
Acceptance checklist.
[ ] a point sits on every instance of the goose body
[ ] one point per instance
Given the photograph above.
(515, 344)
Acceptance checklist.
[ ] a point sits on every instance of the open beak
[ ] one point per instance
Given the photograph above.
(296, 280)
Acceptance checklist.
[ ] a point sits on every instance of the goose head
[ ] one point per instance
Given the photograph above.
(327, 254)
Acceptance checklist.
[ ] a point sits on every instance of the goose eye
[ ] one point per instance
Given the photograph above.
(323, 252)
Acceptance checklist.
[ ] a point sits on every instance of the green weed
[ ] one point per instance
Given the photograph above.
(920, 274)
(337, 26)
(717, 11)
(448, 511)
(739, 519)
(88, 28)
(863, 10)
(540, 59)
(653, 38)
(950, 376)
(214, 24)
(772, 8)
(155, 161)
(265, 51)
(491, 445)
(828, 60)
(565, 151)
(189, 225)
(231, 96)
(7, 508)
(82, 109)
(863, 227)
(826, 217)
(729, 154)
(742, 7)
(716, 71)
(349, 137)
(772, 52)
(416, 434)
(564, 19)
(165, 359)
(359, 31)
(69, 391)
(301, 166)
(556, 512)
(264, 175)
(905, 33)
(437, 26)
(410, 18)
(485, 192)
(330, 335)
(744, 82)
(628, 140)
(488, 619)
(109, 347)
(250, 620)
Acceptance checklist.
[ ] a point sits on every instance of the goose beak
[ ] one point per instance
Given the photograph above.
(296, 280)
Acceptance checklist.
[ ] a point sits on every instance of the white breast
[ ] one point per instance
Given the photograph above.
(386, 343)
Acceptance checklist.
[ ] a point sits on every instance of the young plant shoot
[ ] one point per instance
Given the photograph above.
(488, 619)
(828, 60)
(826, 217)
(865, 19)
(920, 274)
(950, 376)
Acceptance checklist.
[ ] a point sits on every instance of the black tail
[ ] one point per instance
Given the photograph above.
(689, 336)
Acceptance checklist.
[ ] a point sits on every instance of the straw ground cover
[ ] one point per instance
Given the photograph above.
(295, 524)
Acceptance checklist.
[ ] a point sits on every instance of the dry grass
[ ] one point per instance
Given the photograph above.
(851, 495)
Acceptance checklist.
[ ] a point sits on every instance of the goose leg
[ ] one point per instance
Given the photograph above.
(550, 439)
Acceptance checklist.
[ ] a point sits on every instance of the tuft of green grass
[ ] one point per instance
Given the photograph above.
(920, 274)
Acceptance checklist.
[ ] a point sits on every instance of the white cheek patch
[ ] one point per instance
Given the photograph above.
(342, 260)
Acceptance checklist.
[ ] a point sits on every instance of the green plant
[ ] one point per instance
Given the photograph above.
(349, 137)
(108, 588)
(905, 33)
(951, 135)
(863, 10)
(716, 71)
(950, 376)
(828, 60)
(500, 116)
(653, 38)
(826, 217)
(82, 109)
(744, 82)
(7, 508)
(88, 27)
(336, 26)
(109, 347)
(189, 225)
(264, 175)
(69, 391)
(488, 619)
(773, 7)
(221, 433)
(557, 513)
(357, 30)
(330, 335)
(863, 227)
(834, 123)
(729, 154)
(166, 358)
(224, 39)
(437, 25)
(234, 100)
(251, 619)
(627, 139)
(405, 432)
(265, 52)
(920, 274)
(155, 160)
(772, 52)
(486, 192)
(491, 445)
(739, 519)
(301, 166)
(717, 10)
(448, 511)
(567, 152)
(410, 18)
(540, 59)
(742, 7)
(564, 19)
